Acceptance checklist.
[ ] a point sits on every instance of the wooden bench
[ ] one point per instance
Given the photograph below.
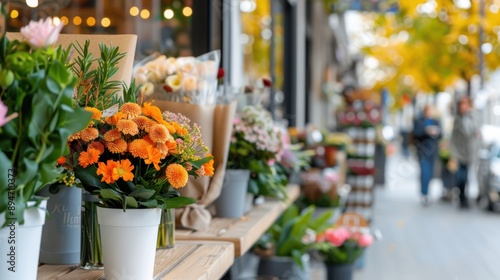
(188, 259)
(245, 231)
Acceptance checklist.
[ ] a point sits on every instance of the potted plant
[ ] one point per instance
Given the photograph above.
(340, 247)
(254, 149)
(283, 249)
(61, 236)
(134, 159)
(36, 86)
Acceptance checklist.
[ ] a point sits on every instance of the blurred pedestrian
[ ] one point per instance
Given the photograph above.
(406, 127)
(462, 143)
(426, 134)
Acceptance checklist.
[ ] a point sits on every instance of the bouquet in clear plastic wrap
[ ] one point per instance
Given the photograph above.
(185, 79)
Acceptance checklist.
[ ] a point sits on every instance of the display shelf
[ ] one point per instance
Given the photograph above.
(188, 259)
(245, 231)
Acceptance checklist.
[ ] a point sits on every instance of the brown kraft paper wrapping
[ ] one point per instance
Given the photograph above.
(126, 43)
(216, 122)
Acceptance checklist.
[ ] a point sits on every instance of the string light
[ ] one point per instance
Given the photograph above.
(168, 14)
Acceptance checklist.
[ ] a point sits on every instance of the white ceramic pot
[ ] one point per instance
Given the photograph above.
(20, 244)
(128, 242)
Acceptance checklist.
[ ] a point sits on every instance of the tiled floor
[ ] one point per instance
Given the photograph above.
(437, 242)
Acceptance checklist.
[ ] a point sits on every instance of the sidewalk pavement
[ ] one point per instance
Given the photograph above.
(434, 242)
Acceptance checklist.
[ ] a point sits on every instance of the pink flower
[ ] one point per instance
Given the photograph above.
(271, 162)
(41, 34)
(365, 240)
(337, 236)
(3, 115)
(236, 120)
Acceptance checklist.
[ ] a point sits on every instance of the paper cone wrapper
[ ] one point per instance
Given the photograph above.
(216, 122)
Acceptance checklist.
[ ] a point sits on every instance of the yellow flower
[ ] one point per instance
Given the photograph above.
(176, 175)
(127, 127)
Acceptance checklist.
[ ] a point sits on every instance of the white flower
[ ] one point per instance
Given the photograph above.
(41, 34)
(147, 89)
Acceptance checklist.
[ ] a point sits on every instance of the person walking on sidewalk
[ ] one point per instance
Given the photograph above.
(426, 134)
(462, 143)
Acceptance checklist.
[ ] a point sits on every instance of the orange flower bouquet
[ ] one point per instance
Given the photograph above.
(136, 157)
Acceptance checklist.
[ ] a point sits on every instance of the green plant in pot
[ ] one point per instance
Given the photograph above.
(36, 89)
(284, 248)
(37, 86)
(255, 145)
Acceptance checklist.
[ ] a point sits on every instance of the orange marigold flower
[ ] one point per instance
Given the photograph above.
(74, 137)
(148, 139)
(152, 111)
(88, 157)
(209, 167)
(96, 113)
(154, 157)
(106, 170)
(144, 123)
(113, 120)
(179, 129)
(131, 110)
(176, 175)
(123, 170)
(96, 145)
(163, 149)
(139, 148)
(171, 128)
(127, 127)
(61, 160)
(112, 135)
(89, 134)
(172, 146)
(117, 146)
(158, 133)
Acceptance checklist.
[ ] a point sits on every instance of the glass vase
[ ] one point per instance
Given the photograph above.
(91, 251)
(166, 230)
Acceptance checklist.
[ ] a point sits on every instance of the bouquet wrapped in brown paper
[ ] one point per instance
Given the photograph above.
(188, 85)
(216, 127)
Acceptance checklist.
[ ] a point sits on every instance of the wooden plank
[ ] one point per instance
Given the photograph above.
(54, 271)
(191, 259)
(245, 231)
(210, 260)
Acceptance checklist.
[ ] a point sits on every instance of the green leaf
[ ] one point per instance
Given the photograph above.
(110, 194)
(149, 203)
(177, 202)
(142, 194)
(60, 74)
(130, 201)
(88, 177)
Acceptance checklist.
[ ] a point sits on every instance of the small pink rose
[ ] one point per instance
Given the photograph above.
(41, 34)
(3, 115)
(337, 236)
(365, 240)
